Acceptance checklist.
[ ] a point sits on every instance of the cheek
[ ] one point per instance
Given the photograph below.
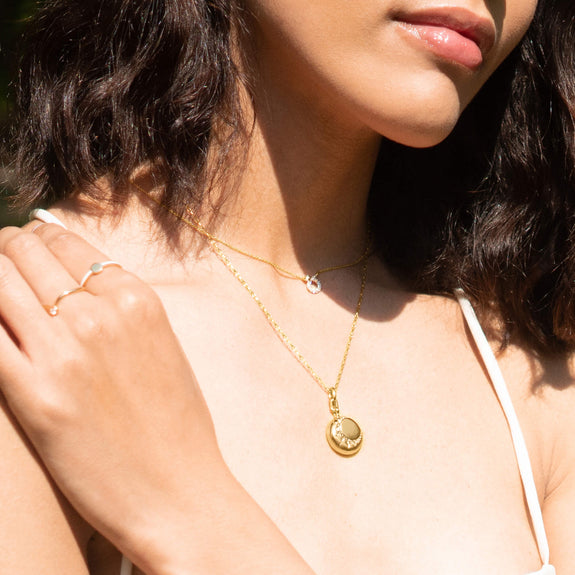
(404, 99)
(518, 18)
(350, 66)
(417, 103)
(513, 19)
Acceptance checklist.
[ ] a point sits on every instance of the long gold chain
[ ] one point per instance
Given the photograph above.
(343, 434)
(282, 334)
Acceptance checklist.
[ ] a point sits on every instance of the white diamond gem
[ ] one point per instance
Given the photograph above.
(313, 285)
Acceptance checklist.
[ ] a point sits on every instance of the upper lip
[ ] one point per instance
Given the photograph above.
(479, 29)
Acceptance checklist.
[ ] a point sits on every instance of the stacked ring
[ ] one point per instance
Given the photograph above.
(96, 269)
(53, 309)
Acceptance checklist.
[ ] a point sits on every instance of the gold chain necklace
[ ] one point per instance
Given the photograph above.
(343, 434)
(312, 282)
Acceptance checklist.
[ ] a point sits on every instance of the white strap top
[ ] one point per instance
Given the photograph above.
(126, 568)
(523, 461)
(500, 387)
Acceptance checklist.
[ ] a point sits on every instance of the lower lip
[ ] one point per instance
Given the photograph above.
(447, 44)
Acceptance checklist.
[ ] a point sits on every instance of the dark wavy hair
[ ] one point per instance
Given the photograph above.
(108, 85)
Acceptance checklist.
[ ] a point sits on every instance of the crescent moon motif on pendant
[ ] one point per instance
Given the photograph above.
(344, 436)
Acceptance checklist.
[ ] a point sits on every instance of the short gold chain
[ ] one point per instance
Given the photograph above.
(212, 238)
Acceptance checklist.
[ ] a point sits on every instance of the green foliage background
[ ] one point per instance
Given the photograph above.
(13, 14)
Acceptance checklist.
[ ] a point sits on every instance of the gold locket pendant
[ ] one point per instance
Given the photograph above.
(343, 434)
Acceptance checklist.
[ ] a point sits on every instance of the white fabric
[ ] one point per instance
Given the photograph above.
(500, 387)
(46, 217)
(523, 461)
(545, 570)
(127, 567)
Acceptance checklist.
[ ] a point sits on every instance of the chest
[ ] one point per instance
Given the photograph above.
(435, 487)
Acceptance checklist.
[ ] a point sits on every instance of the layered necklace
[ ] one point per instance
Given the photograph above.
(343, 434)
(312, 281)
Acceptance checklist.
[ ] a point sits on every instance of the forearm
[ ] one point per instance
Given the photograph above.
(223, 532)
(39, 531)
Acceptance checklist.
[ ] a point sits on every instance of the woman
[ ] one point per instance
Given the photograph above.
(221, 152)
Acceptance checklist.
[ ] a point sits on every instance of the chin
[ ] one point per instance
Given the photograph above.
(425, 134)
(419, 116)
(424, 127)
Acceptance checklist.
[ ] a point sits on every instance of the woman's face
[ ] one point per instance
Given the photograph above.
(403, 68)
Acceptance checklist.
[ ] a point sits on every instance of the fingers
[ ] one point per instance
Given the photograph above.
(10, 353)
(37, 264)
(20, 309)
(78, 257)
(44, 273)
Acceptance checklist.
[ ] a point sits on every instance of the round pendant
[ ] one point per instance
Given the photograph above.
(344, 436)
(313, 285)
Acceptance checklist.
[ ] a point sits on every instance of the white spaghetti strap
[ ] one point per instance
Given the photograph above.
(521, 452)
(46, 217)
(545, 570)
(126, 566)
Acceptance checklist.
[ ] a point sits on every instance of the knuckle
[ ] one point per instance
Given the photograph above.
(6, 233)
(61, 389)
(52, 408)
(89, 325)
(20, 243)
(59, 239)
(137, 299)
(50, 412)
(8, 230)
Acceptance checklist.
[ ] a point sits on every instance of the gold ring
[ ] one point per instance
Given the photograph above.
(53, 309)
(37, 226)
(96, 269)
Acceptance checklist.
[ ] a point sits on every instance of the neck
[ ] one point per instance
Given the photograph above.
(301, 195)
(298, 196)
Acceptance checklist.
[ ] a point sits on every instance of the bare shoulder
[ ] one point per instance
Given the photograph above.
(39, 531)
(555, 393)
(130, 235)
(543, 391)
(554, 390)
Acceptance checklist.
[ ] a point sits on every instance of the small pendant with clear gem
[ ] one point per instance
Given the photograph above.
(313, 284)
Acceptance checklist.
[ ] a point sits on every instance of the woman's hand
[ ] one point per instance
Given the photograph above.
(102, 389)
(110, 402)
